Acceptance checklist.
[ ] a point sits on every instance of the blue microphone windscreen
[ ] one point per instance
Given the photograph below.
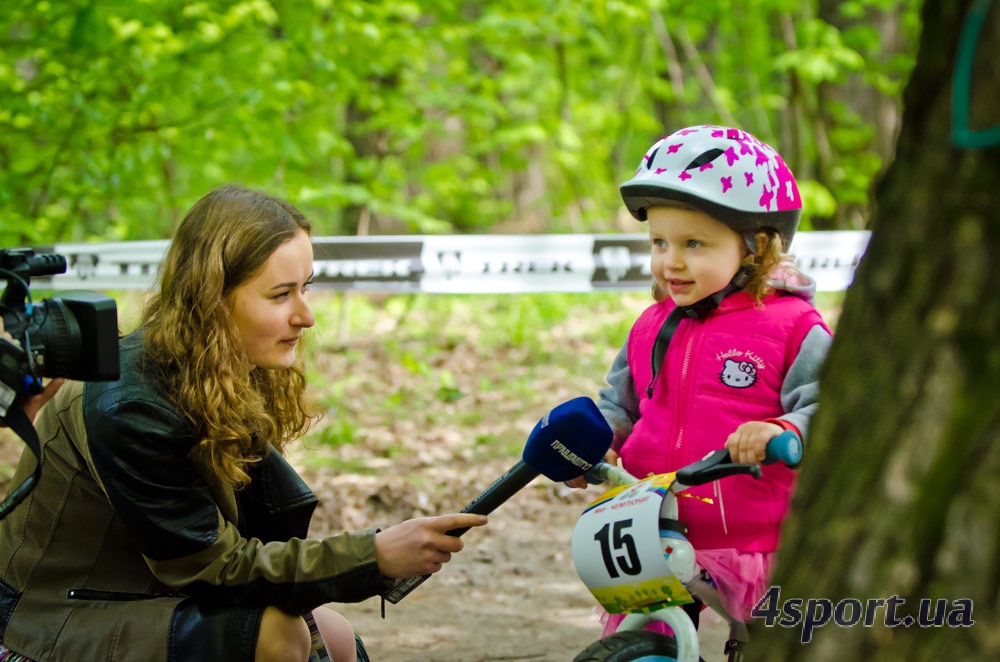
(568, 440)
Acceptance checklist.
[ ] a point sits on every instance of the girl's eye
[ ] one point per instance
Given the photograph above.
(658, 243)
(693, 243)
(306, 285)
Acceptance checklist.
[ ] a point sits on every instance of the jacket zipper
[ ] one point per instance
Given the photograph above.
(681, 394)
(113, 596)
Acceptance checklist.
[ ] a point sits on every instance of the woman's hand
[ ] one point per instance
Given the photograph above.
(421, 546)
(748, 445)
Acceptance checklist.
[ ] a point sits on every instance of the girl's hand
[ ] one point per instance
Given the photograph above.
(581, 483)
(749, 443)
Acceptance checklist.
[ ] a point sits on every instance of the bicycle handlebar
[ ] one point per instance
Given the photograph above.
(786, 447)
(602, 472)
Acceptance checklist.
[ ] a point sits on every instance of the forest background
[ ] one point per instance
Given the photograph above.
(426, 116)
(435, 117)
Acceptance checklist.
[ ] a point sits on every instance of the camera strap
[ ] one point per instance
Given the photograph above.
(21, 425)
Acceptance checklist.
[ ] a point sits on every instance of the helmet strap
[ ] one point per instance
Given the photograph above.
(702, 308)
(697, 310)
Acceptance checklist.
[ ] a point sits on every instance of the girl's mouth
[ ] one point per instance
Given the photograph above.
(677, 285)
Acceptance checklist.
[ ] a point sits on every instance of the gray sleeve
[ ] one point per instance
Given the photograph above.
(800, 391)
(618, 401)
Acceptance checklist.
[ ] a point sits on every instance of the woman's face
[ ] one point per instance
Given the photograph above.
(270, 310)
(693, 255)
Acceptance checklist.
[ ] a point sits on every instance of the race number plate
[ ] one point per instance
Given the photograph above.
(618, 553)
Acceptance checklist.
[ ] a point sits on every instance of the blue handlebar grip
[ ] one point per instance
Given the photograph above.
(786, 447)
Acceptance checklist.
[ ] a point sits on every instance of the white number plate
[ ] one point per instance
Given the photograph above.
(618, 553)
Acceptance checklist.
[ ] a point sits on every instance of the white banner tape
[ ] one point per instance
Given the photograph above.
(457, 264)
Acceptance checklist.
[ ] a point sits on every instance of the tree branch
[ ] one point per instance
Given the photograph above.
(673, 64)
(704, 75)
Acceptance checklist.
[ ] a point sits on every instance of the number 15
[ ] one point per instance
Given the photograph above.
(629, 562)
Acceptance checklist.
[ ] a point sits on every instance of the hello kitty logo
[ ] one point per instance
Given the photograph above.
(739, 374)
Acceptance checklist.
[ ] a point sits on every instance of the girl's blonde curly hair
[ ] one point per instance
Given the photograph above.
(192, 348)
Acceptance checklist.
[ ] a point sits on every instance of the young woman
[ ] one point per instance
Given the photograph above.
(166, 525)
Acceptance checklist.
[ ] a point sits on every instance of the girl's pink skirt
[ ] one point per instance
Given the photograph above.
(741, 577)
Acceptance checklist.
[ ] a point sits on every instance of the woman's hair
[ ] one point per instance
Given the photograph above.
(192, 347)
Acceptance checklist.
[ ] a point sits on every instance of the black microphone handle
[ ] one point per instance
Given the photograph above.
(489, 499)
(496, 494)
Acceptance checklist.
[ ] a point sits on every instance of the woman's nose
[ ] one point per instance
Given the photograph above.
(303, 315)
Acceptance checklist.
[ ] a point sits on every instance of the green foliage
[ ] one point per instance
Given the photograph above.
(822, 58)
(407, 116)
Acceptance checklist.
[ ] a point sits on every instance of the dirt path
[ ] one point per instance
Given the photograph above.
(512, 594)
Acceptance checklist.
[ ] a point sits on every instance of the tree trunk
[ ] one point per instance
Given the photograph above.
(899, 492)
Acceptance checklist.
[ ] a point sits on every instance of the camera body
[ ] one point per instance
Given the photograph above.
(73, 334)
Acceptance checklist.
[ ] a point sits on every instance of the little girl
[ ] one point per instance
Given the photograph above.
(729, 354)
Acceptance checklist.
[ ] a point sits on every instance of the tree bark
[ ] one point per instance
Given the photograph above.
(898, 493)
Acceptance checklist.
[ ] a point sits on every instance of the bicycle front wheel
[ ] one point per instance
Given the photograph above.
(631, 646)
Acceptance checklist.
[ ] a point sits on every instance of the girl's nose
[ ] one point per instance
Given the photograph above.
(672, 260)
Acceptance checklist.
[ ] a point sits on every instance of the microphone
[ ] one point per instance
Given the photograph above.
(564, 444)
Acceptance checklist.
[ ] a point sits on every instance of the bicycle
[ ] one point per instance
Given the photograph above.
(646, 567)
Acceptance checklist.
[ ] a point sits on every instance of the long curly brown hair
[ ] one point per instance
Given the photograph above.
(192, 347)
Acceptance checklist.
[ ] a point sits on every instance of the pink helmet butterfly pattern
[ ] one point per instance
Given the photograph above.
(726, 173)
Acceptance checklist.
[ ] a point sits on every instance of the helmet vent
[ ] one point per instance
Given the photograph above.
(705, 158)
(649, 161)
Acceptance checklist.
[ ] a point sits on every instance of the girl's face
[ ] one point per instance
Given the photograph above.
(693, 255)
(270, 310)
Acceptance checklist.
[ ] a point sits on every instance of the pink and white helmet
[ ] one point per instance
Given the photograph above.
(727, 173)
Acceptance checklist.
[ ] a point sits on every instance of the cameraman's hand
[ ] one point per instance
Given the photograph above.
(31, 404)
(421, 546)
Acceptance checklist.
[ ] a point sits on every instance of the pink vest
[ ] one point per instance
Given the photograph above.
(718, 372)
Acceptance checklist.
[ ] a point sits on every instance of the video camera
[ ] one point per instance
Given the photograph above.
(74, 334)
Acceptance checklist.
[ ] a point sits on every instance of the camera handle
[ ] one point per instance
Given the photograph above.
(21, 425)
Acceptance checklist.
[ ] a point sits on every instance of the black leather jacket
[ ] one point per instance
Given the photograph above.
(122, 526)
